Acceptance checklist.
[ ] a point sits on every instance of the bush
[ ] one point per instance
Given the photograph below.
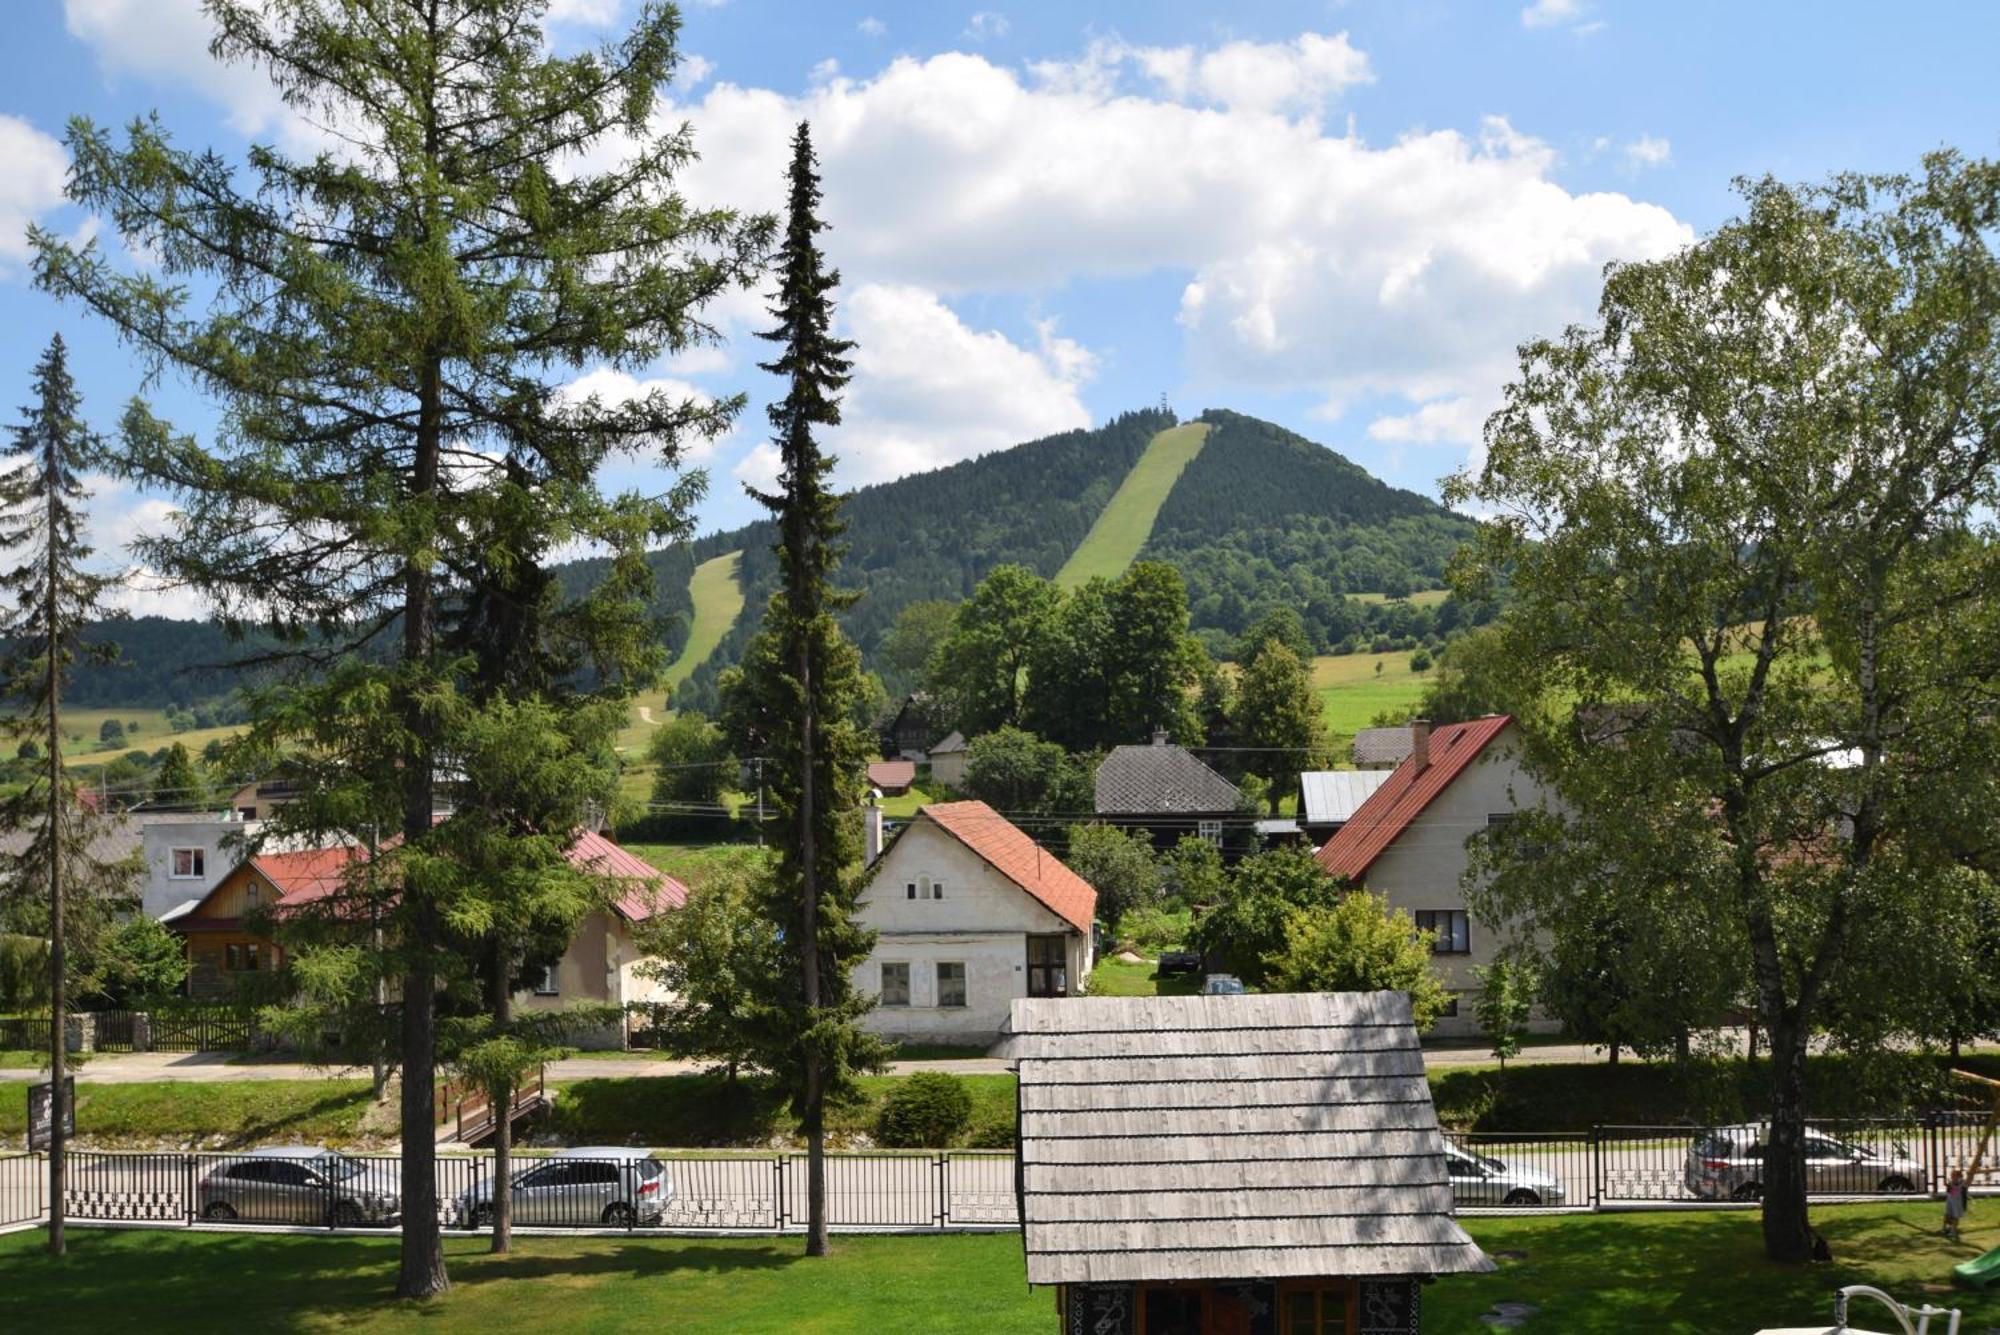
(1420, 661)
(928, 1110)
(1150, 928)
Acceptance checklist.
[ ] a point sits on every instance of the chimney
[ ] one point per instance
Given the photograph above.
(1159, 736)
(871, 827)
(1420, 744)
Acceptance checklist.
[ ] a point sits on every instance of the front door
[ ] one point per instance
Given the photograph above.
(1048, 966)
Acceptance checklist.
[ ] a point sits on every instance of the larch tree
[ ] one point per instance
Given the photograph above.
(384, 329)
(791, 702)
(1752, 511)
(56, 886)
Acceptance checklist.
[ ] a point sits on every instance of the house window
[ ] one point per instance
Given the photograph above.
(1048, 966)
(250, 894)
(951, 984)
(1450, 1011)
(1315, 1311)
(924, 888)
(247, 813)
(546, 986)
(1452, 932)
(1211, 830)
(912, 889)
(895, 984)
(189, 864)
(1500, 820)
(240, 957)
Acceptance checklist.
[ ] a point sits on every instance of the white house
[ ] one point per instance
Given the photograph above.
(969, 913)
(1407, 841)
(185, 854)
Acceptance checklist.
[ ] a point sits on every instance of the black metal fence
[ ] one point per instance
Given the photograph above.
(24, 1033)
(1609, 1167)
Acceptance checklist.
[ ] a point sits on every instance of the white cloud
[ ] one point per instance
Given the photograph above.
(986, 24)
(693, 70)
(31, 185)
(929, 390)
(1455, 421)
(1552, 13)
(583, 13)
(611, 386)
(872, 26)
(1261, 76)
(1649, 151)
(1313, 261)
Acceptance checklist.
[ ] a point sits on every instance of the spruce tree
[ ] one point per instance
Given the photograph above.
(793, 701)
(55, 884)
(387, 327)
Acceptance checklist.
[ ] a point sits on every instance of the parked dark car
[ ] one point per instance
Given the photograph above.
(1179, 961)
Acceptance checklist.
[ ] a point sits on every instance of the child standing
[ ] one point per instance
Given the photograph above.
(1955, 1203)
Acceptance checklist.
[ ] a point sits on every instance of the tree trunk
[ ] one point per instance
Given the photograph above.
(1787, 1235)
(815, 1075)
(422, 1273)
(1613, 1059)
(501, 1002)
(58, 944)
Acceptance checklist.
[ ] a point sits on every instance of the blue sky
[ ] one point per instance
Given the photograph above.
(1341, 216)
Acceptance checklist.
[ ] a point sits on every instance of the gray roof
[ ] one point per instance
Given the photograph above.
(1159, 780)
(1332, 796)
(954, 743)
(1382, 746)
(118, 837)
(1229, 1137)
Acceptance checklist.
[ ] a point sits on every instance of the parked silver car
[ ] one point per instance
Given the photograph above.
(300, 1184)
(1480, 1179)
(580, 1188)
(1727, 1163)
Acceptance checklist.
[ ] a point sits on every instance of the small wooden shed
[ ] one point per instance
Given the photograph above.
(1232, 1165)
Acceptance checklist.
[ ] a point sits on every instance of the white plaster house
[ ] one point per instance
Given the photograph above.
(969, 913)
(186, 854)
(1407, 842)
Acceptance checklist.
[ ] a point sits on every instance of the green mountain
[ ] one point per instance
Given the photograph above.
(1257, 516)
(1253, 515)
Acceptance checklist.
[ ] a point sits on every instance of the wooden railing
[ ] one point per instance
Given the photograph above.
(475, 1117)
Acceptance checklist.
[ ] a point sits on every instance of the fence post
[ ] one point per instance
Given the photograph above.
(1596, 1167)
(778, 1203)
(943, 1189)
(188, 1211)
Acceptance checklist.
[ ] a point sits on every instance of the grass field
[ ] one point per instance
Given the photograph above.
(1127, 521)
(13, 1058)
(1697, 1274)
(692, 864)
(718, 601)
(1352, 692)
(220, 1113)
(1117, 978)
(80, 727)
(1421, 598)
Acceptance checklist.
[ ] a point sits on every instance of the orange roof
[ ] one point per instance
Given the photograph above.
(1378, 822)
(307, 876)
(892, 774)
(1008, 849)
(647, 890)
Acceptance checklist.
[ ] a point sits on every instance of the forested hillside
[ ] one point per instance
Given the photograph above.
(1260, 517)
(1264, 517)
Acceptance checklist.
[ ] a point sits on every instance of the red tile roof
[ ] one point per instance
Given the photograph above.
(308, 876)
(1379, 821)
(1009, 850)
(647, 889)
(891, 775)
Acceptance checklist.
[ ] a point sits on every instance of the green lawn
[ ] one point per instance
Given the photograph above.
(1121, 530)
(1691, 1274)
(1118, 978)
(219, 1114)
(12, 1058)
(693, 863)
(1352, 692)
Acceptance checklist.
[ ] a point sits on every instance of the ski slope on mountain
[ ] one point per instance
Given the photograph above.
(1115, 540)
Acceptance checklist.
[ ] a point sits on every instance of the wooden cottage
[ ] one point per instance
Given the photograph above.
(1232, 1165)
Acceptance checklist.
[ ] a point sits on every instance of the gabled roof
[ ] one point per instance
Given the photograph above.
(1229, 1137)
(1331, 796)
(1160, 780)
(951, 745)
(1009, 851)
(892, 774)
(646, 889)
(1403, 796)
(1385, 747)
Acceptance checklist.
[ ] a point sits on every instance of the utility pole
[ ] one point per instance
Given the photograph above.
(759, 762)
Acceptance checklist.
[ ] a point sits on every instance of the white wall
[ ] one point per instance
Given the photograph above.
(213, 833)
(982, 922)
(1421, 869)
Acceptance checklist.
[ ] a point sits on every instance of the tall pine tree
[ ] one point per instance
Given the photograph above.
(55, 883)
(388, 327)
(793, 698)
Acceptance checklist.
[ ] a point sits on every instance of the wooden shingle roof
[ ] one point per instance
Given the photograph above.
(1229, 1137)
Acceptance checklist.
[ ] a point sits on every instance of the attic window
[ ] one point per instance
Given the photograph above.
(250, 893)
(923, 888)
(187, 864)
